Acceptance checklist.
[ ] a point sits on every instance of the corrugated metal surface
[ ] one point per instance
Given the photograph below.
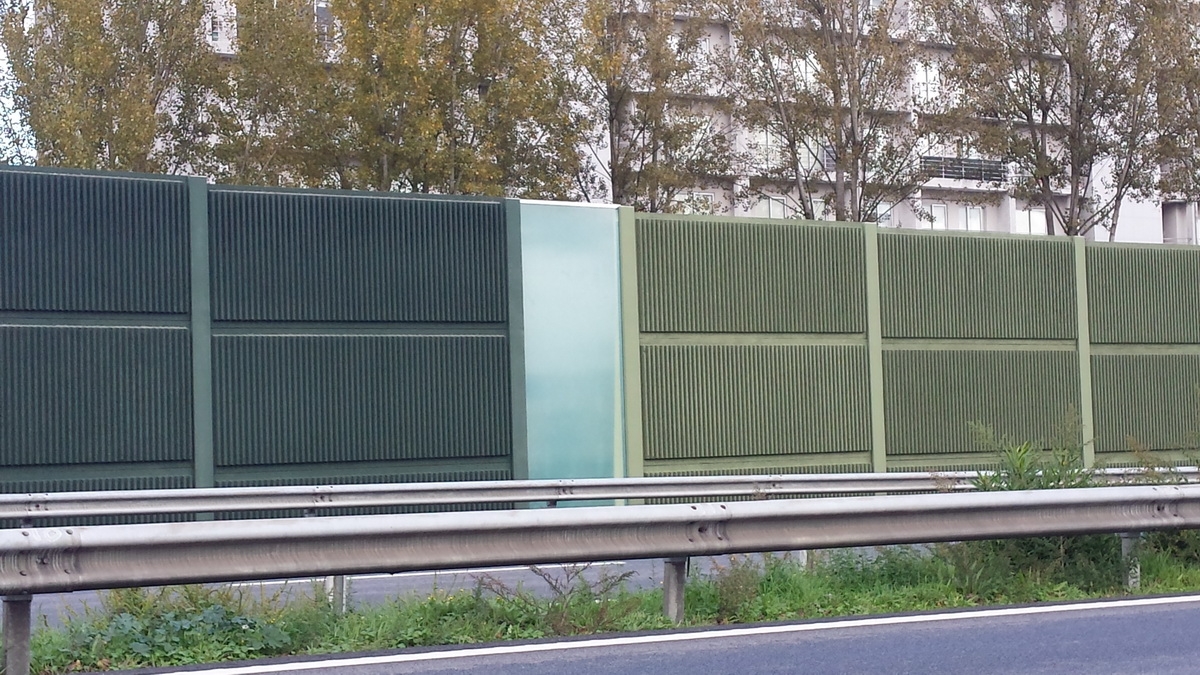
(833, 468)
(1143, 294)
(782, 469)
(1151, 400)
(97, 483)
(92, 395)
(288, 256)
(724, 276)
(91, 244)
(725, 401)
(299, 399)
(961, 286)
(932, 397)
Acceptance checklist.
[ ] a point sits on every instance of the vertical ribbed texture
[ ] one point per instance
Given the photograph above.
(725, 276)
(430, 477)
(91, 244)
(1147, 400)
(933, 397)
(291, 256)
(786, 470)
(100, 483)
(963, 286)
(282, 400)
(91, 395)
(725, 401)
(1144, 295)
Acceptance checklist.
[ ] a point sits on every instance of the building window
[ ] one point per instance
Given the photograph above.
(1031, 221)
(938, 219)
(695, 203)
(973, 218)
(885, 217)
(214, 30)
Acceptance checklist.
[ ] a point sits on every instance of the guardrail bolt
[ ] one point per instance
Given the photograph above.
(18, 621)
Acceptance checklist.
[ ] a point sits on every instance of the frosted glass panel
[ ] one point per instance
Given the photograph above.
(571, 291)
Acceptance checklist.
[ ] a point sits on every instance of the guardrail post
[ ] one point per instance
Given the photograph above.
(335, 590)
(18, 622)
(1130, 560)
(674, 579)
(334, 586)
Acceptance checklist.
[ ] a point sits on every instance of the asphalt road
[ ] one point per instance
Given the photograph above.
(1124, 637)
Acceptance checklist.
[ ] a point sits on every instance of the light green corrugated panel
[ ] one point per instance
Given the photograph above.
(941, 285)
(729, 275)
(727, 401)
(1151, 399)
(283, 399)
(89, 395)
(1140, 294)
(932, 397)
(783, 468)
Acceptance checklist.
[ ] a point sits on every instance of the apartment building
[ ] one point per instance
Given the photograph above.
(964, 190)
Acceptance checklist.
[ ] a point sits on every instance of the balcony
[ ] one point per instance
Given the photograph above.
(957, 168)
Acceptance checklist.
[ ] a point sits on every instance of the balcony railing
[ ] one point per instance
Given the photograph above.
(981, 170)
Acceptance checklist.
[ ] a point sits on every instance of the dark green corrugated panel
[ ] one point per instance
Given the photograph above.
(931, 397)
(736, 401)
(424, 477)
(73, 395)
(97, 483)
(726, 276)
(290, 256)
(961, 286)
(301, 399)
(74, 243)
(321, 479)
(1144, 294)
(1153, 399)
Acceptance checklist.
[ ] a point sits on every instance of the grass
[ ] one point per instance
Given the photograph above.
(183, 625)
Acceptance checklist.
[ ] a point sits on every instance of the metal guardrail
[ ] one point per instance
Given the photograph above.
(52, 560)
(73, 558)
(27, 507)
(145, 502)
(49, 560)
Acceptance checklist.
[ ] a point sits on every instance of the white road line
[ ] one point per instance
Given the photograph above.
(403, 575)
(684, 637)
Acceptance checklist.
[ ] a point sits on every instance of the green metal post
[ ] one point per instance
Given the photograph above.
(516, 341)
(201, 283)
(631, 359)
(875, 347)
(1084, 350)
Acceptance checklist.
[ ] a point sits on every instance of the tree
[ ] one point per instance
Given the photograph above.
(825, 86)
(654, 131)
(280, 122)
(1068, 91)
(105, 84)
(454, 96)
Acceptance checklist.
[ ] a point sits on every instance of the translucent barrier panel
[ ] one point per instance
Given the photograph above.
(571, 290)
